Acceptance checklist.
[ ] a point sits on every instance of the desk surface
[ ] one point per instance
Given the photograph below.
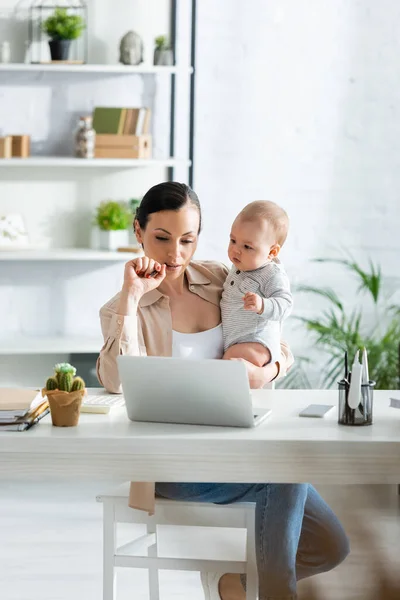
(283, 448)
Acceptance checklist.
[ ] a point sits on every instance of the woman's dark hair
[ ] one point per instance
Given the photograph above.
(169, 195)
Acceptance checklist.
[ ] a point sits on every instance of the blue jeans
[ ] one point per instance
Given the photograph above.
(297, 534)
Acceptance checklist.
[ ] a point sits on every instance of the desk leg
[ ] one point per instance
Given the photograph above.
(109, 549)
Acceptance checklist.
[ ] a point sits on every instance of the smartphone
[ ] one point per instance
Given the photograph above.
(316, 410)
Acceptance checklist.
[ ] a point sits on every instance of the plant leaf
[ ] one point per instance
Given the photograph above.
(326, 293)
(370, 282)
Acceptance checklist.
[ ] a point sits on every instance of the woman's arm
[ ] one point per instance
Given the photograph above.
(260, 376)
(119, 321)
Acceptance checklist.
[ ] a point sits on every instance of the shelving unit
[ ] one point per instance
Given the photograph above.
(86, 69)
(94, 163)
(58, 344)
(66, 255)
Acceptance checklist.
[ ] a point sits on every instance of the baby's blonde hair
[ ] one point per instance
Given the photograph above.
(274, 214)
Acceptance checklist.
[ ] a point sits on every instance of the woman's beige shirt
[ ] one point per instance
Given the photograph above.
(150, 333)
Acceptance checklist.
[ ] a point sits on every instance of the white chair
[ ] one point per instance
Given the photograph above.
(188, 552)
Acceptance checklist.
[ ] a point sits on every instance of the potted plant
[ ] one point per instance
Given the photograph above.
(113, 220)
(163, 54)
(371, 322)
(64, 392)
(62, 27)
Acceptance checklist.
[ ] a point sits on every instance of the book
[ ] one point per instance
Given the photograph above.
(17, 402)
(146, 122)
(131, 120)
(140, 121)
(109, 119)
(24, 424)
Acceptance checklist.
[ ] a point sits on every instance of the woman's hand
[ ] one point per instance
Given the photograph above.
(260, 376)
(137, 276)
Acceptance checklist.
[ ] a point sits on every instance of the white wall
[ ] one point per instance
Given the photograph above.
(299, 105)
(296, 102)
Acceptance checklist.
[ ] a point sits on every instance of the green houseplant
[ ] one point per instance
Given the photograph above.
(113, 220)
(163, 54)
(62, 27)
(372, 322)
(64, 392)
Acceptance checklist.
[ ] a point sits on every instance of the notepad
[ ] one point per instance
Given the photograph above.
(17, 402)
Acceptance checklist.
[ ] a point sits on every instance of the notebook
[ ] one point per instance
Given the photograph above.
(18, 402)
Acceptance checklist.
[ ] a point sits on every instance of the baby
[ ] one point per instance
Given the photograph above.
(256, 297)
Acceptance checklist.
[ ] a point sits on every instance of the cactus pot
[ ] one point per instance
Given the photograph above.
(65, 407)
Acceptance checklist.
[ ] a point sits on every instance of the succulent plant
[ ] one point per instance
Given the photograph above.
(51, 383)
(77, 384)
(64, 379)
(65, 368)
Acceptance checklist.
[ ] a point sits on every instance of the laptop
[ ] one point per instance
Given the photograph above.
(194, 392)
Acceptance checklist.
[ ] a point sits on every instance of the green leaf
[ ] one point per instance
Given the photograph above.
(112, 216)
(326, 293)
(62, 25)
(370, 282)
(334, 330)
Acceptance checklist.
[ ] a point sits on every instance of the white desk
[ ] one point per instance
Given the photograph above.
(285, 448)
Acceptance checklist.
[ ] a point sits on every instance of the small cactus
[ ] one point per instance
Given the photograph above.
(65, 381)
(65, 368)
(78, 384)
(51, 383)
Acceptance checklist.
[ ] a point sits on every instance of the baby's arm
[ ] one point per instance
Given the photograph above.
(278, 300)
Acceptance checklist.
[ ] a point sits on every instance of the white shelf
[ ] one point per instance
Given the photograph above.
(116, 69)
(49, 345)
(92, 163)
(66, 254)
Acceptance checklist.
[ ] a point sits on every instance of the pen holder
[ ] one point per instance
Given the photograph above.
(362, 415)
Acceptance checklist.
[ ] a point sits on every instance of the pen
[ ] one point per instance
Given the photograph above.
(152, 274)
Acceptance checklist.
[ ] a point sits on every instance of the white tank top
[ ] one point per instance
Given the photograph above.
(205, 344)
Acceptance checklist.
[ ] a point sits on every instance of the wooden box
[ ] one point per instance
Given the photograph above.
(123, 146)
(5, 147)
(21, 146)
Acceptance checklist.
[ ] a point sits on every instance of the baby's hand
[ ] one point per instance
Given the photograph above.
(253, 302)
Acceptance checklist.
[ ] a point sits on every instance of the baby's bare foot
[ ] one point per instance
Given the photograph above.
(230, 587)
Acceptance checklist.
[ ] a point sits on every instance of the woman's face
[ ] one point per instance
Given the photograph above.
(171, 237)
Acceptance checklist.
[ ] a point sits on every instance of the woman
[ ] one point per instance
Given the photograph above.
(176, 313)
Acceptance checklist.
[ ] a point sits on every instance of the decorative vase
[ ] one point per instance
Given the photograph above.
(163, 57)
(59, 49)
(85, 138)
(65, 407)
(112, 240)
